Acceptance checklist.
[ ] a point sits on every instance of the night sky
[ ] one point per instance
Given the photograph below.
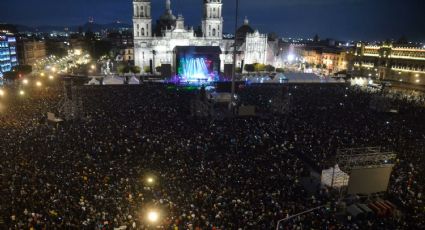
(339, 19)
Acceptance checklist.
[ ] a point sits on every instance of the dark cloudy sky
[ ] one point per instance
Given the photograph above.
(341, 19)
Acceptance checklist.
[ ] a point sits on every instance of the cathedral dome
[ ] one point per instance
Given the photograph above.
(167, 21)
(244, 30)
(168, 16)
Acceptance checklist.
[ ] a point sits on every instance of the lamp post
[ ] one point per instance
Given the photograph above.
(153, 62)
(299, 214)
(232, 101)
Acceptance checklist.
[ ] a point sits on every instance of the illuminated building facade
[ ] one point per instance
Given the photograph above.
(389, 62)
(154, 44)
(255, 48)
(8, 52)
(333, 59)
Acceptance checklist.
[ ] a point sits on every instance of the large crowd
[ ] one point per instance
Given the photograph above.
(233, 173)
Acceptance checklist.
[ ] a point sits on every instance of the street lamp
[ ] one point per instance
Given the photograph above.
(153, 216)
(2, 93)
(234, 57)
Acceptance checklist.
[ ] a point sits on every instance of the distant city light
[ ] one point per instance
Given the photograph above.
(25, 82)
(2, 93)
(21, 92)
(51, 77)
(38, 84)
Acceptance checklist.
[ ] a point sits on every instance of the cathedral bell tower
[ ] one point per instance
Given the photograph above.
(212, 22)
(142, 19)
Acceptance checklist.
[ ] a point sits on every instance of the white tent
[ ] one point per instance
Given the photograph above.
(291, 78)
(93, 81)
(340, 178)
(133, 81)
(113, 81)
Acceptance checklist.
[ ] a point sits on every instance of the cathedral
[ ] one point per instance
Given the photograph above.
(154, 43)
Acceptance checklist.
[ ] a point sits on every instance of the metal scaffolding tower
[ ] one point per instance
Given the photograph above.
(71, 106)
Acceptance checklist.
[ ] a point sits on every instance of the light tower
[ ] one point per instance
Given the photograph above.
(212, 22)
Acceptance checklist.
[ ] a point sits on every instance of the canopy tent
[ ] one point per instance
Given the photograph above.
(334, 177)
(133, 81)
(113, 81)
(93, 81)
(291, 78)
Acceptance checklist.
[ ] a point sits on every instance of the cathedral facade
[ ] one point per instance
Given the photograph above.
(154, 44)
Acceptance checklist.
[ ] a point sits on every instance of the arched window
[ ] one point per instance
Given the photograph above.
(143, 31)
(213, 32)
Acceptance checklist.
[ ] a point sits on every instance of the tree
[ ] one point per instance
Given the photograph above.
(249, 68)
(259, 67)
(22, 69)
(10, 76)
(82, 69)
(147, 69)
(280, 70)
(123, 69)
(269, 68)
(135, 69)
